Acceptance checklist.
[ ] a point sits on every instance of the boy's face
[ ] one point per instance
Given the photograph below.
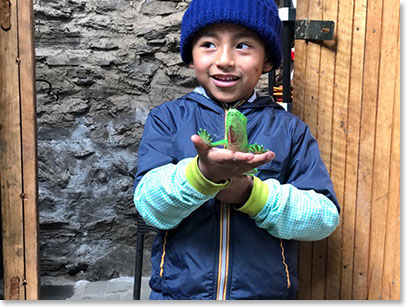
(228, 60)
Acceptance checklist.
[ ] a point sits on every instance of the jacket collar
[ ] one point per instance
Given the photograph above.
(262, 101)
(201, 90)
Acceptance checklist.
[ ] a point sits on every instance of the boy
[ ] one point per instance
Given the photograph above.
(226, 235)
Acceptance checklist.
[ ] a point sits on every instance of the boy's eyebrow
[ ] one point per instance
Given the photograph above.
(243, 34)
(209, 34)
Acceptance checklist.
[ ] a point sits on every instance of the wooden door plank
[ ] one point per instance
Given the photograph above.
(326, 85)
(18, 155)
(332, 247)
(391, 271)
(305, 271)
(391, 261)
(319, 269)
(339, 130)
(300, 66)
(395, 281)
(311, 97)
(366, 151)
(393, 249)
(352, 147)
(29, 147)
(384, 119)
(10, 164)
(394, 200)
(310, 116)
(323, 135)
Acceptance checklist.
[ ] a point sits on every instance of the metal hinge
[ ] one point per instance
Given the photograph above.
(314, 29)
(5, 14)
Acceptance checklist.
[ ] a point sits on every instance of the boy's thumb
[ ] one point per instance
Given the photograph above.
(199, 144)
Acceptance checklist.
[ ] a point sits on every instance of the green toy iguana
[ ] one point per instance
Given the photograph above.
(236, 135)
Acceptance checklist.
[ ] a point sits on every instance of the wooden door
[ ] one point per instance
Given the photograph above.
(348, 92)
(18, 151)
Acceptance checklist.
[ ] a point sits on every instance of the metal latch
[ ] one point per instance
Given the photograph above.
(314, 29)
(5, 14)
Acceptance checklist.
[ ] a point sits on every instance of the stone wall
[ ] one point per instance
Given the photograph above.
(101, 65)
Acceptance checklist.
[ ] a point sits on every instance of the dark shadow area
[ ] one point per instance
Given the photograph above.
(56, 292)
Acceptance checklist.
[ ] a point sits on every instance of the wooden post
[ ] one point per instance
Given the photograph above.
(18, 151)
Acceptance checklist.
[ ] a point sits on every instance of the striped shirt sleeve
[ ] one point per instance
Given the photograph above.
(287, 212)
(168, 194)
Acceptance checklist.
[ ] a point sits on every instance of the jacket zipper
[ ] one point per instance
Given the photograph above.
(223, 251)
(223, 242)
(223, 269)
(285, 264)
(163, 254)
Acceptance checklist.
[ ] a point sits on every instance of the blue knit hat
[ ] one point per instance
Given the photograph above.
(260, 16)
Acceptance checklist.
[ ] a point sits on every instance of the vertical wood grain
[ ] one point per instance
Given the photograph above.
(331, 271)
(366, 153)
(339, 132)
(10, 167)
(300, 65)
(18, 156)
(352, 147)
(311, 77)
(29, 147)
(323, 133)
(391, 254)
(391, 272)
(311, 110)
(384, 120)
(10, 164)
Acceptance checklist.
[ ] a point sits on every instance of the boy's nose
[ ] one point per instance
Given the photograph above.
(225, 58)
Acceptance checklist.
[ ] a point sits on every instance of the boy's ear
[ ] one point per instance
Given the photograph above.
(191, 64)
(267, 66)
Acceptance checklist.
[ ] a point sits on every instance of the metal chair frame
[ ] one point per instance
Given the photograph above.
(142, 229)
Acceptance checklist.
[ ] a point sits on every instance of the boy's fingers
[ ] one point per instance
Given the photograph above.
(199, 144)
(255, 158)
(226, 156)
(258, 161)
(264, 157)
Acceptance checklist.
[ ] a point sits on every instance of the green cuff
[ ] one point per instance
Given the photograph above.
(199, 182)
(257, 199)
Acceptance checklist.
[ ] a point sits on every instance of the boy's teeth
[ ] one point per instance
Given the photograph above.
(225, 78)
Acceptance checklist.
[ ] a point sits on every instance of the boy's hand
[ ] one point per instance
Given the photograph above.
(221, 164)
(238, 192)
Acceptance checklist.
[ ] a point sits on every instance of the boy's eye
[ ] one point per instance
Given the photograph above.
(242, 46)
(208, 45)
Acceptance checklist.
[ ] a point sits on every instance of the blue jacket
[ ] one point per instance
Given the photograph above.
(217, 252)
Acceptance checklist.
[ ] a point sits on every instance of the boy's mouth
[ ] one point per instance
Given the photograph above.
(224, 80)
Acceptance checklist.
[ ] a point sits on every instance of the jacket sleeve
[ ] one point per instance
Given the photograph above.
(166, 190)
(305, 207)
(155, 147)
